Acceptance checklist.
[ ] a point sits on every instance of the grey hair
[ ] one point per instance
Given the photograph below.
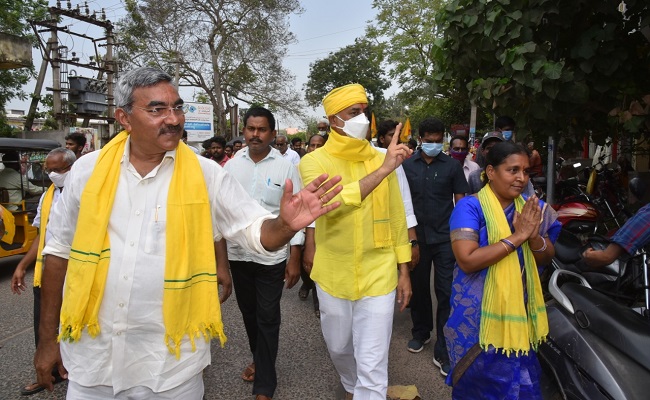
(68, 155)
(137, 78)
(282, 136)
(323, 121)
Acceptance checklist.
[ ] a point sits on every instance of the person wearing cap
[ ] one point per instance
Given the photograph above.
(474, 178)
(359, 246)
(489, 140)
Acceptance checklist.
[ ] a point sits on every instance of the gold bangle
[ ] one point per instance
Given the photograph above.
(505, 246)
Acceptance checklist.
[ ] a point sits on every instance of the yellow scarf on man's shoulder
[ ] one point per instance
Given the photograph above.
(190, 299)
(506, 323)
(352, 149)
(46, 207)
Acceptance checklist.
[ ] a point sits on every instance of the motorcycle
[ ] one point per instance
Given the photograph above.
(598, 346)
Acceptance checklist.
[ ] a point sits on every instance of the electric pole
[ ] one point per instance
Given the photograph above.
(55, 55)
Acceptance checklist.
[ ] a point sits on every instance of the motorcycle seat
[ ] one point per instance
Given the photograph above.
(618, 325)
(566, 251)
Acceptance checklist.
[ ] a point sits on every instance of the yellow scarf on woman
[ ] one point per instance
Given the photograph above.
(505, 323)
(360, 150)
(190, 299)
(46, 206)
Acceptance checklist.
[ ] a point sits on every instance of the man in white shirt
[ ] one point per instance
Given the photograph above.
(458, 150)
(128, 351)
(57, 165)
(385, 132)
(258, 279)
(282, 144)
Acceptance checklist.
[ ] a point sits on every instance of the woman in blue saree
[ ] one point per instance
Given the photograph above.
(498, 317)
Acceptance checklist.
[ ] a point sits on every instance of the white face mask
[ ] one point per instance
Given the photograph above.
(58, 179)
(322, 133)
(356, 127)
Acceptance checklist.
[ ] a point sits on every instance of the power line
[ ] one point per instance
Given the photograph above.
(331, 34)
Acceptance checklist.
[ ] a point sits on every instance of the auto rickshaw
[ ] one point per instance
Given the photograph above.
(32, 153)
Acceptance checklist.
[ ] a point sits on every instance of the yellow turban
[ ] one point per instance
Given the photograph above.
(343, 97)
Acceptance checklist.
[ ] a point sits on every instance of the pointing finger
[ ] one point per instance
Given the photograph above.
(396, 135)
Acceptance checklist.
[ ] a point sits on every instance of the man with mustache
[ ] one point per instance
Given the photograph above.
(133, 239)
(258, 278)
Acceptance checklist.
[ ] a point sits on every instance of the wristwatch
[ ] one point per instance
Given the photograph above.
(414, 243)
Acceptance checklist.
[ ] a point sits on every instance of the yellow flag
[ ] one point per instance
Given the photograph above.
(373, 125)
(406, 131)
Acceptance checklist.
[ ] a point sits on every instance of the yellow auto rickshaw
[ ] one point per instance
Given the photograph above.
(22, 174)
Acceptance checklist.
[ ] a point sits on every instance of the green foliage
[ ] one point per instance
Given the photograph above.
(409, 33)
(407, 30)
(312, 125)
(301, 135)
(553, 66)
(356, 63)
(14, 16)
(233, 51)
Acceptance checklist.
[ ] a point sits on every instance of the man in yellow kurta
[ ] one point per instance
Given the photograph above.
(359, 245)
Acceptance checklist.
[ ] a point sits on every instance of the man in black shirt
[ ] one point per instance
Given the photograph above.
(436, 181)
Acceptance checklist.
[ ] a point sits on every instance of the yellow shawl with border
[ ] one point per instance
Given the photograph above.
(506, 322)
(46, 207)
(190, 299)
(362, 151)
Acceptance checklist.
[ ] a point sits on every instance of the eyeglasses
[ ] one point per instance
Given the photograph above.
(164, 112)
(281, 144)
(57, 170)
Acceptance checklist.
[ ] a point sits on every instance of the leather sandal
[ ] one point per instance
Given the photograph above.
(303, 292)
(31, 389)
(248, 374)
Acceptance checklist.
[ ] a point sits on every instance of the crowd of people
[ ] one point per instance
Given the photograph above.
(132, 252)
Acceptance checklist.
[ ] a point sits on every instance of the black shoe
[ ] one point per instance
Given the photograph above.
(443, 365)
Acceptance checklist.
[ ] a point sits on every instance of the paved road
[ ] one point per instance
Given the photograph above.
(304, 368)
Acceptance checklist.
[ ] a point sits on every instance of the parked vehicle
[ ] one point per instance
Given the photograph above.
(25, 233)
(598, 345)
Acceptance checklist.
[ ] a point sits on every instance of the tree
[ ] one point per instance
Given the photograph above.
(312, 125)
(13, 20)
(408, 31)
(231, 50)
(357, 63)
(554, 66)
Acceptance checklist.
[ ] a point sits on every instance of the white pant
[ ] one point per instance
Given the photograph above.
(357, 334)
(190, 390)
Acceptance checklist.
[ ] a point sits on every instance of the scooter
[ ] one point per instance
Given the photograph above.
(598, 347)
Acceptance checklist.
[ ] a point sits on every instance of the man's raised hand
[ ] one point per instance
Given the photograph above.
(397, 152)
(301, 209)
